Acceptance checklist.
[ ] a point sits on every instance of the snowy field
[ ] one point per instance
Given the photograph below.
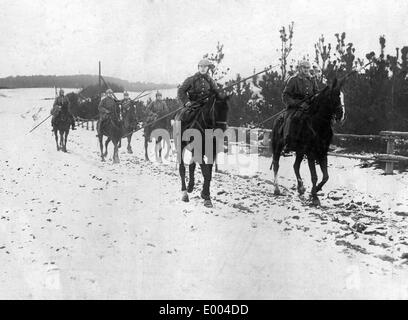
(72, 227)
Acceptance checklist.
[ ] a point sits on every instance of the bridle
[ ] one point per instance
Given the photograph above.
(214, 123)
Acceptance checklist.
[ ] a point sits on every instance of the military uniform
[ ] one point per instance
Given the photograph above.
(63, 102)
(129, 114)
(298, 88)
(107, 108)
(195, 89)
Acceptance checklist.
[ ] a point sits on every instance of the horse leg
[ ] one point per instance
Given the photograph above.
(313, 174)
(323, 167)
(275, 164)
(100, 138)
(191, 169)
(106, 146)
(115, 151)
(206, 170)
(296, 166)
(61, 134)
(129, 147)
(56, 139)
(65, 137)
(182, 171)
(158, 149)
(146, 142)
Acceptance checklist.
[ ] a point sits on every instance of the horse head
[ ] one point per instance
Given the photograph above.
(217, 113)
(329, 103)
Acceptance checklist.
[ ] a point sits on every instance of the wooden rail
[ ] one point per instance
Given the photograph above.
(80, 122)
(389, 158)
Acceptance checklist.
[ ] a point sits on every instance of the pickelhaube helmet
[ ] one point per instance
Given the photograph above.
(305, 63)
(204, 62)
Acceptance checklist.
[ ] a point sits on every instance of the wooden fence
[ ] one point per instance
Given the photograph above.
(84, 123)
(389, 157)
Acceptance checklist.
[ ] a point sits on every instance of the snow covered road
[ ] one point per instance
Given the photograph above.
(72, 227)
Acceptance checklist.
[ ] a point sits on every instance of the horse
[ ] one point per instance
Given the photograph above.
(316, 128)
(129, 124)
(62, 124)
(112, 128)
(150, 126)
(212, 115)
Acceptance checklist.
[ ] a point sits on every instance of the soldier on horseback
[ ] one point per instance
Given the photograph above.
(61, 104)
(297, 89)
(107, 108)
(195, 90)
(157, 108)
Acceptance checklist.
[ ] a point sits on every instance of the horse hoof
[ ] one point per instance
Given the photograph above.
(190, 188)
(316, 202)
(130, 151)
(277, 192)
(205, 197)
(185, 198)
(301, 190)
(208, 203)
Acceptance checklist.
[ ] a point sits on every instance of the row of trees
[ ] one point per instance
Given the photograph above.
(376, 98)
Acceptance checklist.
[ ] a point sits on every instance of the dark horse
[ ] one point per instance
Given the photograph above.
(213, 115)
(112, 128)
(150, 125)
(316, 134)
(129, 124)
(62, 123)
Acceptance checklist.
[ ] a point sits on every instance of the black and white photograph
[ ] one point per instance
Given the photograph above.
(203, 150)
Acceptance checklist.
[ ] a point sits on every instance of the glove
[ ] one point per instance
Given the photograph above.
(188, 104)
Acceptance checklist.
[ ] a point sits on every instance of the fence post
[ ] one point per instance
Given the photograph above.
(92, 125)
(266, 141)
(87, 125)
(389, 166)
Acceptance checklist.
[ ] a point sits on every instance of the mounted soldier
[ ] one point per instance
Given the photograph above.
(195, 90)
(299, 87)
(61, 104)
(107, 108)
(157, 108)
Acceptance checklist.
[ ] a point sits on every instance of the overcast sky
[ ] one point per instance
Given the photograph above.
(162, 40)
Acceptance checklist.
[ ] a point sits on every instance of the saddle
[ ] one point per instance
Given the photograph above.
(187, 115)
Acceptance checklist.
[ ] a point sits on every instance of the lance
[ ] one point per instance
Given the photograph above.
(202, 99)
(240, 81)
(55, 89)
(139, 95)
(40, 124)
(109, 87)
(321, 90)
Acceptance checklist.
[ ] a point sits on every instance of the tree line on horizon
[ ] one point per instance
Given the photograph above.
(75, 81)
